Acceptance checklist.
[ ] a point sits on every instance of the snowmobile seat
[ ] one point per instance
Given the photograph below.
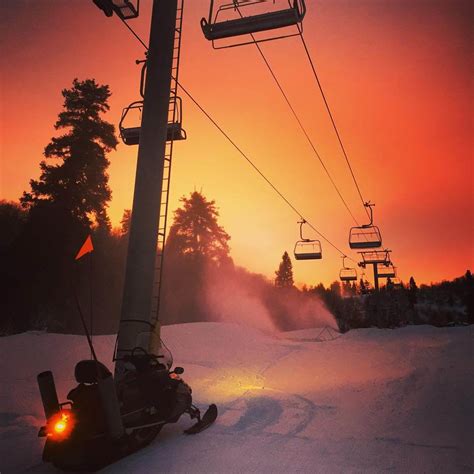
(87, 407)
(88, 371)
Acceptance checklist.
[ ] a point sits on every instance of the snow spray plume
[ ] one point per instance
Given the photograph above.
(235, 295)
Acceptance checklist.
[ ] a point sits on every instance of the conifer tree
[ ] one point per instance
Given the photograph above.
(195, 231)
(412, 293)
(78, 183)
(284, 274)
(125, 222)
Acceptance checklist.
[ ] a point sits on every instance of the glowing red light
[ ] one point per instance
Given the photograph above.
(60, 425)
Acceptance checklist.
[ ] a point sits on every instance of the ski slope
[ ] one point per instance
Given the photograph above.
(368, 401)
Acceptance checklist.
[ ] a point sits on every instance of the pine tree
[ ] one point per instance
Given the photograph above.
(195, 231)
(284, 274)
(79, 182)
(412, 293)
(125, 222)
(12, 220)
(468, 296)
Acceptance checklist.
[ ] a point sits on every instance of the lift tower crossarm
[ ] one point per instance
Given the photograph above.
(136, 325)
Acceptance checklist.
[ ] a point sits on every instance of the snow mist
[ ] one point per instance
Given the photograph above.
(235, 295)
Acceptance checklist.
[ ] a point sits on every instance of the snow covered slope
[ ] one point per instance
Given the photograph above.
(369, 401)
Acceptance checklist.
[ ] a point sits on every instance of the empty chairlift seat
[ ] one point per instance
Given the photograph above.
(396, 282)
(346, 273)
(130, 121)
(126, 9)
(308, 250)
(375, 256)
(215, 28)
(367, 236)
(386, 270)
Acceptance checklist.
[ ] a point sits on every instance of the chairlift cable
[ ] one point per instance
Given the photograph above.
(303, 129)
(133, 32)
(333, 121)
(255, 167)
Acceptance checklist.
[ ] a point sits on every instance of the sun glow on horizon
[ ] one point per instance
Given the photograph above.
(401, 115)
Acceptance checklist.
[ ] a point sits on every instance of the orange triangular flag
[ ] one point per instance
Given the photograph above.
(86, 248)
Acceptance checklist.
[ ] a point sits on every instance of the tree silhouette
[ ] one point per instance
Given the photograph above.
(412, 293)
(364, 286)
(284, 274)
(349, 289)
(125, 222)
(468, 296)
(195, 231)
(79, 183)
(12, 220)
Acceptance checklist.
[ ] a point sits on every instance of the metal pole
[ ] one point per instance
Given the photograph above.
(135, 325)
(376, 277)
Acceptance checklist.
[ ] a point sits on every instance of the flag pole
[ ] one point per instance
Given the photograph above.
(90, 299)
(87, 248)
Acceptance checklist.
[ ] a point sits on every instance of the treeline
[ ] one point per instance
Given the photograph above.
(41, 282)
(43, 286)
(440, 304)
(46, 289)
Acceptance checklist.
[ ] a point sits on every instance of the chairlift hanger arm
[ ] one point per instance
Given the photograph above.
(301, 223)
(369, 205)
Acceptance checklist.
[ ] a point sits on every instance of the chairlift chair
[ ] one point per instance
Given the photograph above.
(347, 273)
(366, 236)
(397, 283)
(216, 28)
(307, 249)
(125, 9)
(386, 270)
(374, 256)
(131, 134)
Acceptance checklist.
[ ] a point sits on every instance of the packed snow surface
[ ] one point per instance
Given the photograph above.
(370, 400)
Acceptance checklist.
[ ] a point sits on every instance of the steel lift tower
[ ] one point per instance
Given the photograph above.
(139, 325)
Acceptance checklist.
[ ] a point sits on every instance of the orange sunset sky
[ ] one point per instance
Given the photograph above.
(397, 74)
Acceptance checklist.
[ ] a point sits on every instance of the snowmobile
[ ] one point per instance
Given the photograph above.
(84, 433)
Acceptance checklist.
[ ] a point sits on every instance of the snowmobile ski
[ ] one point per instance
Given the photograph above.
(206, 421)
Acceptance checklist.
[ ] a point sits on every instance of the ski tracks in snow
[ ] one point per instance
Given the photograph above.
(270, 412)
